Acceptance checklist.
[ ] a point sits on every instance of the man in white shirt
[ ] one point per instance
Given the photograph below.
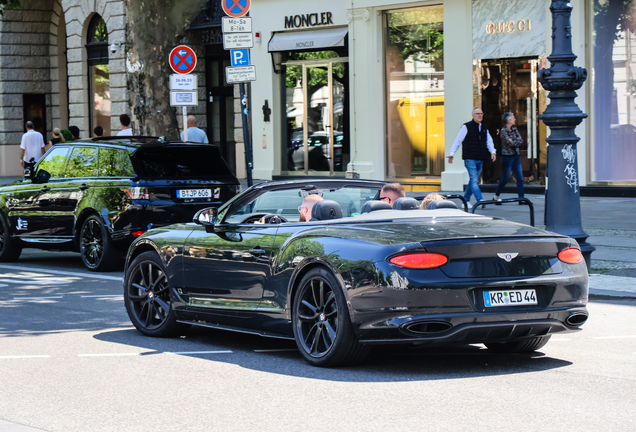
(477, 146)
(32, 146)
(194, 133)
(124, 119)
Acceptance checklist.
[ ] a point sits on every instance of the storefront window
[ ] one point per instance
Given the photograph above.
(614, 84)
(98, 75)
(415, 91)
(316, 106)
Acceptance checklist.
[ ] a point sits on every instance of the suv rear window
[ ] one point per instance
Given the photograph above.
(180, 161)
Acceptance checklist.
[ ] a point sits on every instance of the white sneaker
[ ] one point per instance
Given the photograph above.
(469, 205)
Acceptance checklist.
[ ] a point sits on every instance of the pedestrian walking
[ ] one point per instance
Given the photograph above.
(75, 132)
(56, 138)
(511, 141)
(98, 132)
(124, 120)
(477, 146)
(194, 133)
(32, 146)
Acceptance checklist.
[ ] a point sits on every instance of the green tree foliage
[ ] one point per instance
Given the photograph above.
(68, 136)
(8, 4)
(318, 76)
(418, 33)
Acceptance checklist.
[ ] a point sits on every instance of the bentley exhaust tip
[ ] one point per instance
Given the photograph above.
(576, 319)
(427, 327)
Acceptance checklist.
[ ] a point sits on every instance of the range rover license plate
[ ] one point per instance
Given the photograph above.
(194, 193)
(510, 298)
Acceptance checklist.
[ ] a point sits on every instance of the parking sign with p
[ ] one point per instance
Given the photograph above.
(240, 57)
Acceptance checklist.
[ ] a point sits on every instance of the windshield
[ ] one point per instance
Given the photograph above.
(182, 162)
(286, 202)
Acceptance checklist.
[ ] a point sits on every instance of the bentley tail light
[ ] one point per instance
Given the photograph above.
(136, 193)
(138, 233)
(422, 260)
(571, 255)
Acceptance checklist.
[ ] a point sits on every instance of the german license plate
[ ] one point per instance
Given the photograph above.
(510, 298)
(194, 193)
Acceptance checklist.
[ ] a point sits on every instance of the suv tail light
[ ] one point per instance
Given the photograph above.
(136, 193)
(421, 260)
(571, 255)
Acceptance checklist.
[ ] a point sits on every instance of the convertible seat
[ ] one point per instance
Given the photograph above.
(325, 210)
(406, 203)
(439, 204)
(374, 205)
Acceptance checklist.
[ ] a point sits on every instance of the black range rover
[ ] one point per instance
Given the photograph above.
(95, 197)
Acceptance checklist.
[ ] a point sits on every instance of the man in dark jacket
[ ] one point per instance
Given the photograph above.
(477, 146)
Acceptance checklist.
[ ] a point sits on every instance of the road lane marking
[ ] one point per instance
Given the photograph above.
(198, 352)
(24, 356)
(276, 350)
(37, 298)
(110, 355)
(614, 337)
(81, 274)
(101, 296)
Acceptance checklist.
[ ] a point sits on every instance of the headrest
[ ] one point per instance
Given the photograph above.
(325, 210)
(439, 204)
(374, 205)
(406, 203)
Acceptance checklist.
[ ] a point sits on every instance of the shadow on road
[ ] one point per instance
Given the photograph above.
(392, 364)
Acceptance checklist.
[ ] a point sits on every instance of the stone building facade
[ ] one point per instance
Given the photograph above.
(68, 63)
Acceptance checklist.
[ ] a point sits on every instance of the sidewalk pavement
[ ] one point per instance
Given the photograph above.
(609, 222)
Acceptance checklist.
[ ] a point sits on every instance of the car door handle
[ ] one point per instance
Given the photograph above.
(83, 186)
(258, 252)
(45, 189)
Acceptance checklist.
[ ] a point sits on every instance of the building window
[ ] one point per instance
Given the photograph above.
(98, 75)
(614, 89)
(414, 61)
(316, 130)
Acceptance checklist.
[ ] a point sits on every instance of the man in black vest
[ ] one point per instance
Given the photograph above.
(477, 146)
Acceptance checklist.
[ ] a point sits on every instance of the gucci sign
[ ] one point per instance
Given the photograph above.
(510, 27)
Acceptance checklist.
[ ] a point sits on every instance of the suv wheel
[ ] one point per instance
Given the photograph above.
(9, 251)
(97, 252)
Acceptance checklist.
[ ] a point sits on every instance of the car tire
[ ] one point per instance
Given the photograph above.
(9, 251)
(98, 254)
(523, 346)
(322, 326)
(147, 297)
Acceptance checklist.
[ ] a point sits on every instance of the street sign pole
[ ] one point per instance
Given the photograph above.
(185, 123)
(246, 136)
(237, 37)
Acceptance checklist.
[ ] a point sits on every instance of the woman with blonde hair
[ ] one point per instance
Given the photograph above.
(429, 199)
(57, 138)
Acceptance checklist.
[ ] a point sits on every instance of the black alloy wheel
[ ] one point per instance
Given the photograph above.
(523, 346)
(147, 297)
(322, 326)
(95, 248)
(8, 250)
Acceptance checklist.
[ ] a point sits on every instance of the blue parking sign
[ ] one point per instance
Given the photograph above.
(240, 57)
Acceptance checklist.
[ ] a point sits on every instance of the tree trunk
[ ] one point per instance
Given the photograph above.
(154, 28)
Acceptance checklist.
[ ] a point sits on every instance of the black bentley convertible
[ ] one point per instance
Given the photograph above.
(359, 274)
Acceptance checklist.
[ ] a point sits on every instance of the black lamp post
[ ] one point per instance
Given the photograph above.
(563, 201)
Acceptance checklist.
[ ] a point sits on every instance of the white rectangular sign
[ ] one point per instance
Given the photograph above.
(183, 82)
(240, 74)
(184, 98)
(237, 25)
(238, 40)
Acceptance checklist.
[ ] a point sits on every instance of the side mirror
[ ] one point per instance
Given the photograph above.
(42, 176)
(207, 218)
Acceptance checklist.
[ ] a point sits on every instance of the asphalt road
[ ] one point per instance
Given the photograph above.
(71, 361)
